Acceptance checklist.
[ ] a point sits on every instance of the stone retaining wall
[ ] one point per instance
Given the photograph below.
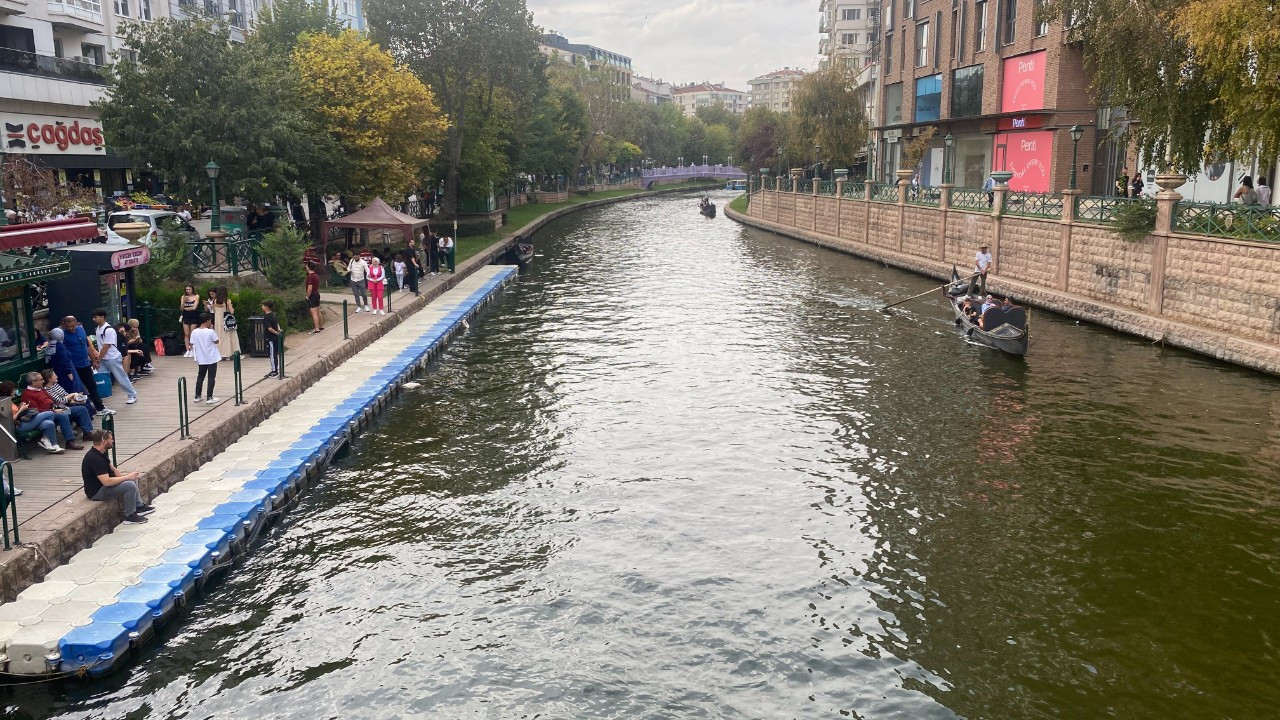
(1216, 296)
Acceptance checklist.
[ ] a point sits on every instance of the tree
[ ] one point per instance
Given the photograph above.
(760, 137)
(281, 251)
(554, 132)
(37, 194)
(385, 119)
(466, 50)
(600, 96)
(184, 102)
(718, 114)
(719, 143)
(829, 110)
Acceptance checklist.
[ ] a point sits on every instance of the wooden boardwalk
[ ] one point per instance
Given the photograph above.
(48, 479)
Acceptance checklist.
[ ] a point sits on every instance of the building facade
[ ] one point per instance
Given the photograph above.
(773, 90)
(848, 30)
(1005, 85)
(558, 47)
(696, 95)
(649, 91)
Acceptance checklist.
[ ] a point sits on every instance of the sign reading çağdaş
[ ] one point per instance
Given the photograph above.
(50, 135)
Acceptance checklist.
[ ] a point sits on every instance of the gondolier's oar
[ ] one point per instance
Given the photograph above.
(926, 292)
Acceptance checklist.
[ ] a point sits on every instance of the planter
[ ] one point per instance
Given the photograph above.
(131, 231)
(1002, 177)
(904, 176)
(1170, 182)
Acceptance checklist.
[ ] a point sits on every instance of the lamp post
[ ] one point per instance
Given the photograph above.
(680, 161)
(871, 161)
(215, 218)
(730, 161)
(817, 155)
(948, 143)
(779, 156)
(1076, 133)
(704, 161)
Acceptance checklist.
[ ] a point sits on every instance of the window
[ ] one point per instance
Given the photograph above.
(888, 14)
(849, 39)
(96, 53)
(888, 52)
(144, 10)
(908, 9)
(957, 31)
(122, 8)
(128, 56)
(851, 14)
(1010, 20)
(980, 26)
(57, 47)
(893, 104)
(966, 91)
(1042, 24)
(922, 44)
(928, 98)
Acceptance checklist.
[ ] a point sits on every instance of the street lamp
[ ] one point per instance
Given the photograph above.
(730, 161)
(1076, 133)
(779, 155)
(871, 161)
(949, 142)
(704, 161)
(817, 155)
(215, 220)
(680, 161)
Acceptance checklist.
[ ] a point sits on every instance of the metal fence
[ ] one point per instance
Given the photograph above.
(803, 186)
(855, 189)
(1244, 222)
(1098, 208)
(785, 185)
(826, 187)
(930, 196)
(1032, 204)
(234, 254)
(971, 199)
(884, 192)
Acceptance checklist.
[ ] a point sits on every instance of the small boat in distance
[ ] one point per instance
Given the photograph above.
(521, 252)
(707, 208)
(1003, 327)
(739, 185)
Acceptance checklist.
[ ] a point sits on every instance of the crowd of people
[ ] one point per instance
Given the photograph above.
(370, 273)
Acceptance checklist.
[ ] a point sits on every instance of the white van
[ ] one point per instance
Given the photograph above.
(151, 217)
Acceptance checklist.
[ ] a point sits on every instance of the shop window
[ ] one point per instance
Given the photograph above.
(928, 98)
(893, 104)
(1042, 23)
(13, 329)
(966, 91)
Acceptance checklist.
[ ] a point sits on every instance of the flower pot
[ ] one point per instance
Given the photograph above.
(1170, 182)
(131, 231)
(1002, 177)
(904, 176)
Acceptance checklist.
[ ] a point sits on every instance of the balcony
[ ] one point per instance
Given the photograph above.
(18, 61)
(76, 14)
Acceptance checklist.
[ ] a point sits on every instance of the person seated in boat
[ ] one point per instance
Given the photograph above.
(987, 304)
(970, 311)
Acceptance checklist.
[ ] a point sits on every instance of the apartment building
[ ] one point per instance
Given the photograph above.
(558, 47)
(696, 95)
(649, 91)
(1005, 85)
(848, 32)
(773, 90)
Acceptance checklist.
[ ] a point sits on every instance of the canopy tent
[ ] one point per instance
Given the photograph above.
(377, 216)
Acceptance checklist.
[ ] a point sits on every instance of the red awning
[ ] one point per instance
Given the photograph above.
(35, 234)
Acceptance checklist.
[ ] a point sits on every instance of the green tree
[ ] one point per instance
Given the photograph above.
(467, 51)
(554, 132)
(281, 252)
(761, 136)
(828, 110)
(719, 143)
(718, 114)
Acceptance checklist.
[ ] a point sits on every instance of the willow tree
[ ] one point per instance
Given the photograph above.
(828, 109)
(469, 52)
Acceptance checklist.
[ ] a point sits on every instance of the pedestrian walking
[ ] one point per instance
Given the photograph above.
(358, 269)
(109, 355)
(313, 298)
(1137, 186)
(272, 328)
(204, 347)
(377, 286)
(989, 187)
(224, 322)
(399, 267)
(446, 247)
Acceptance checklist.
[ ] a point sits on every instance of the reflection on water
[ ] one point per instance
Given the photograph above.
(686, 469)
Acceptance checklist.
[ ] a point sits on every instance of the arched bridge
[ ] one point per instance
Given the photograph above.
(660, 175)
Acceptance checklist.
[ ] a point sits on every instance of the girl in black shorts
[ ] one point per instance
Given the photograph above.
(190, 307)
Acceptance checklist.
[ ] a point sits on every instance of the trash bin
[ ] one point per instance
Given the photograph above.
(232, 218)
(257, 336)
(102, 381)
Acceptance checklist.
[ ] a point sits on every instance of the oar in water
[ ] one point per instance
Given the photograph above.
(926, 292)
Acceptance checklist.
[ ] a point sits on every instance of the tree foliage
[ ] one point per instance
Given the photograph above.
(829, 110)
(36, 192)
(382, 115)
(760, 137)
(281, 251)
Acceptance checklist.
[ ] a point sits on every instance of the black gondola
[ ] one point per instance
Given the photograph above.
(708, 208)
(1008, 331)
(521, 252)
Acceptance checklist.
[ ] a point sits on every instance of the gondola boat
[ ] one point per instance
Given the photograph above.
(708, 209)
(1007, 327)
(521, 252)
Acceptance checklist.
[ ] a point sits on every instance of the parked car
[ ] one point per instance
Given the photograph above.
(151, 217)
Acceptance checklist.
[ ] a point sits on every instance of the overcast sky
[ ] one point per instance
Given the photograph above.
(692, 40)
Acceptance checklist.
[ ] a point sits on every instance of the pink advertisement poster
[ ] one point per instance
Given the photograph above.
(1028, 155)
(1023, 87)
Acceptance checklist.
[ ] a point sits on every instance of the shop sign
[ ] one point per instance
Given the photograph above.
(891, 134)
(50, 135)
(1029, 155)
(1021, 123)
(1023, 86)
(133, 257)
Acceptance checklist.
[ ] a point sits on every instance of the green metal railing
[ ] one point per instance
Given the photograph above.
(930, 196)
(234, 254)
(855, 189)
(346, 323)
(8, 503)
(109, 424)
(184, 413)
(1031, 204)
(970, 199)
(803, 186)
(1243, 222)
(280, 341)
(1098, 208)
(884, 192)
(826, 187)
(785, 185)
(237, 377)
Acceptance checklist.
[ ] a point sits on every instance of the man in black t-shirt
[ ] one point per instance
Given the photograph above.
(103, 482)
(272, 328)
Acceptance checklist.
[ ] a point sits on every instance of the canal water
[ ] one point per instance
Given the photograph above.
(688, 469)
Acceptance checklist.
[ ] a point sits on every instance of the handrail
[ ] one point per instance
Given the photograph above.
(1099, 208)
(238, 377)
(884, 192)
(184, 417)
(1032, 204)
(1242, 222)
(9, 502)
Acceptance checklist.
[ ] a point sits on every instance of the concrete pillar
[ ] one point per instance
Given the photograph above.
(1166, 204)
(944, 203)
(866, 210)
(840, 181)
(1064, 242)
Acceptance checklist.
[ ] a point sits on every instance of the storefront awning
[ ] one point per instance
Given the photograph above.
(36, 234)
(18, 269)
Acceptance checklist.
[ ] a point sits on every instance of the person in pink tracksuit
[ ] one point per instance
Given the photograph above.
(377, 285)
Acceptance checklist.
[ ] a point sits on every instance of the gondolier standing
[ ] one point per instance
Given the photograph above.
(981, 264)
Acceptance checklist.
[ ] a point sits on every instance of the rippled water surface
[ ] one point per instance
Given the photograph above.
(687, 469)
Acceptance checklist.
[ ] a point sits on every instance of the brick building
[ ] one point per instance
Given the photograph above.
(1005, 85)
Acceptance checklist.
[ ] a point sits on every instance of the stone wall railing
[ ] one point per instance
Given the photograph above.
(1169, 284)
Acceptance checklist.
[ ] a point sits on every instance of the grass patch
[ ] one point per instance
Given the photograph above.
(739, 204)
(521, 215)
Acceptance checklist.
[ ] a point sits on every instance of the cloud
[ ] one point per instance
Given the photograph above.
(692, 40)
